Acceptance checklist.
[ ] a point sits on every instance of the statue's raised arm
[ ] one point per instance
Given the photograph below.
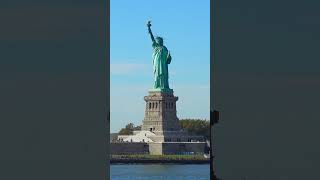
(150, 32)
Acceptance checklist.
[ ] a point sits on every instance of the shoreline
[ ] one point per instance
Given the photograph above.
(158, 161)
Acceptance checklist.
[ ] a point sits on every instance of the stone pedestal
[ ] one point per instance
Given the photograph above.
(160, 124)
(161, 113)
(160, 132)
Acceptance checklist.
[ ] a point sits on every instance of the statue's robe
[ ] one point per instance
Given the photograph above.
(160, 59)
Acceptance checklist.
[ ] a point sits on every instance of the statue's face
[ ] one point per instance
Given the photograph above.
(159, 41)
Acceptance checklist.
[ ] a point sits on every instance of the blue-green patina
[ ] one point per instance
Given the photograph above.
(160, 59)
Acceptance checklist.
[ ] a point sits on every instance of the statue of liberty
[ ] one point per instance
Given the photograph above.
(160, 60)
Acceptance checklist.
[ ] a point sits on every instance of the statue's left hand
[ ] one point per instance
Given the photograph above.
(169, 58)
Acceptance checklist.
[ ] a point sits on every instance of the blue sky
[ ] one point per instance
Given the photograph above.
(185, 27)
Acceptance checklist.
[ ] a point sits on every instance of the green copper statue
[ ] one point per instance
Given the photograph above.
(160, 60)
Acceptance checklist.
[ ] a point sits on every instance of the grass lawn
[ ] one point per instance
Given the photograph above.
(159, 157)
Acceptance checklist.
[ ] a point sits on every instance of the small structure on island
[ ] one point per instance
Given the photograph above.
(160, 132)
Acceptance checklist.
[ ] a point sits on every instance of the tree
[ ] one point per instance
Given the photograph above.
(196, 127)
(137, 128)
(128, 130)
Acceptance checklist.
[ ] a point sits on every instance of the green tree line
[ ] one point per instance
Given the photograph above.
(197, 127)
(128, 130)
(192, 126)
